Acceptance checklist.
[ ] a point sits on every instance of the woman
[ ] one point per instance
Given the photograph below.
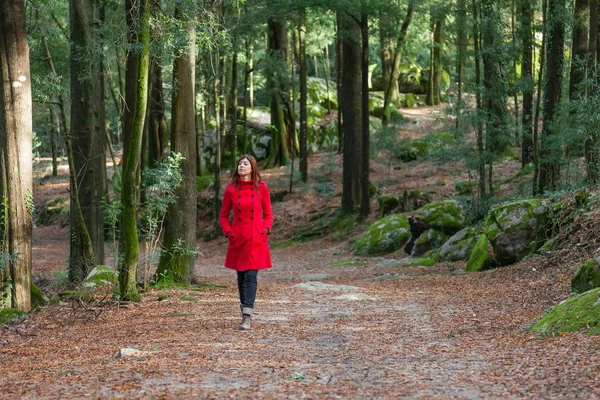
(248, 252)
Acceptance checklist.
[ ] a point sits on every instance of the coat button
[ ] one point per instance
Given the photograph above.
(252, 196)
(239, 219)
(239, 204)
(239, 211)
(252, 210)
(239, 197)
(251, 218)
(251, 202)
(251, 188)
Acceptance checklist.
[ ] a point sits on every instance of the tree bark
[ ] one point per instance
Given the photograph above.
(16, 151)
(177, 256)
(365, 198)
(351, 110)
(130, 248)
(303, 96)
(550, 152)
(591, 156)
(386, 43)
(580, 47)
(479, 114)
(157, 130)
(526, 35)
(536, 120)
(462, 43)
(233, 106)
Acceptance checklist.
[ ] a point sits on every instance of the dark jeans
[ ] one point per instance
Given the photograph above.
(247, 281)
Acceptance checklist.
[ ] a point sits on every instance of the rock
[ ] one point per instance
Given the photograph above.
(100, 275)
(446, 216)
(480, 257)
(459, 246)
(384, 236)
(387, 204)
(414, 199)
(587, 276)
(320, 286)
(128, 352)
(38, 298)
(581, 312)
(428, 240)
(314, 277)
(416, 262)
(354, 296)
(516, 229)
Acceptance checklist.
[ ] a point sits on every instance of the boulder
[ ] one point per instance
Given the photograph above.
(414, 199)
(38, 298)
(384, 236)
(100, 275)
(430, 239)
(459, 246)
(480, 257)
(387, 204)
(516, 229)
(587, 276)
(446, 216)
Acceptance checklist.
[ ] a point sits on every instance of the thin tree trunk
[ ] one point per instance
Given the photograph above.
(513, 24)
(177, 256)
(16, 152)
(528, 82)
(479, 114)
(338, 78)
(460, 59)
(218, 146)
(303, 96)
(387, 100)
(129, 244)
(590, 150)
(365, 198)
(234, 105)
(536, 152)
(53, 140)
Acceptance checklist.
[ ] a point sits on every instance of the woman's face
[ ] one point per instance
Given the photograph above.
(244, 168)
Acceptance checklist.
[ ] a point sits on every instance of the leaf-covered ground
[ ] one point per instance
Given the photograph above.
(388, 332)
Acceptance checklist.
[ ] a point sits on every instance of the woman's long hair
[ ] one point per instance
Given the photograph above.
(254, 175)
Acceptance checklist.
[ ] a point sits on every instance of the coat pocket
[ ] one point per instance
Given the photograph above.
(262, 234)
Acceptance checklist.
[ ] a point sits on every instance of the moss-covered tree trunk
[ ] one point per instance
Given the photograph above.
(87, 142)
(302, 70)
(179, 242)
(395, 71)
(526, 34)
(550, 151)
(16, 167)
(350, 37)
(386, 43)
(129, 245)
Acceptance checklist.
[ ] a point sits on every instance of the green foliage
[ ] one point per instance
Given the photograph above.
(581, 312)
(203, 182)
(11, 316)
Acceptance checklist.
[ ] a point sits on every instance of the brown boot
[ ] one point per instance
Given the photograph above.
(246, 324)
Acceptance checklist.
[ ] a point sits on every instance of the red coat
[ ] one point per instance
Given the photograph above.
(248, 244)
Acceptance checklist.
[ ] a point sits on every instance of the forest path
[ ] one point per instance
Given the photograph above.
(418, 332)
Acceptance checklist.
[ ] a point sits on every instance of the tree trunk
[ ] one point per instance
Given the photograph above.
(303, 96)
(54, 135)
(591, 157)
(438, 46)
(536, 120)
(479, 114)
(386, 43)
(278, 149)
(218, 146)
(16, 152)
(550, 152)
(87, 142)
(338, 78)
(177, 255)
(365, 198)
(233, 107)
(157, 129)
(388, 98)
(579, 48)
(130, 248)
(462, 43)
(526, 35)
(351, 110)
(430, 89)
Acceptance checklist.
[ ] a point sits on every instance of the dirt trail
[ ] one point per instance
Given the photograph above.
(420, 332)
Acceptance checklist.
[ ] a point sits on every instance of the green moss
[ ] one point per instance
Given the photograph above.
(9, 316)
(581, 312)
(187, 297)
(433, 254)
(430, 239)
(587, 277)
(163, 297)
(459, 246)
(547, 246)
(100, 275)
(348, 263)
(38, 298)
(412, 151)
(445, 215)
(384, 236)
(417, 262)
(387, 204)
(464, 187)
(480, 258)
(281, 244)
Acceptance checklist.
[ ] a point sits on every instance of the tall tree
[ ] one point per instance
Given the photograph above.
(580, 48)
(365, 198)
(157, 131)
(526, 34)
(396, 63)
(550, 151)
(16, 178)
(87, 140)
(351, 110)
(435, 59)
(129, 245)
(303, 95)
(590, 150)
(177, 257)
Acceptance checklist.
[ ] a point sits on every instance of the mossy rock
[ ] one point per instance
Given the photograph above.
(410, 100)
(464, 187)
(587, 276)
(433, 254)
(446, 216)
(414, 199)
(384, 236)
(459, 246)
(38, 298)
(480, 257)
(55, 210)
(387, 204)
(547, 246)
(430, 239)
(516, 229)
(9, 316)
(203, 182)
(412, 151)
(99, 276)
(579, 313)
